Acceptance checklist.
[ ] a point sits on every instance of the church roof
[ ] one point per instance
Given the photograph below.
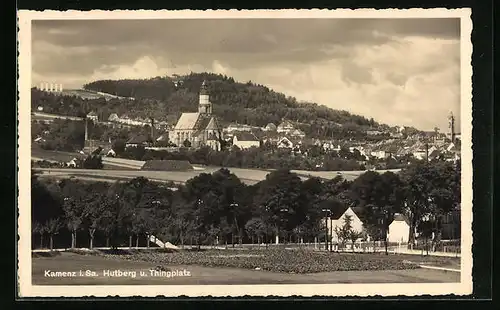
(197, 122)
(187, 121)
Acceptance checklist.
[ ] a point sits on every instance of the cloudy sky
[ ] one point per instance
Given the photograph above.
(398, 71)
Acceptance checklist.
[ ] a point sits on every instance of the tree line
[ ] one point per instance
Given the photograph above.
(219, 207)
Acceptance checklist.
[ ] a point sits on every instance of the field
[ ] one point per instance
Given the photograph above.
(179, 269)
(119, 169)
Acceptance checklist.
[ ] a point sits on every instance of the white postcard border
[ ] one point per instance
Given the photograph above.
(25, 287)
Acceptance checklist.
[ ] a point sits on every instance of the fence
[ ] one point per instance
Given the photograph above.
(449, 248)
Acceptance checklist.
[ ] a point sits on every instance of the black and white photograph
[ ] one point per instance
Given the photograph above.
(232, 153)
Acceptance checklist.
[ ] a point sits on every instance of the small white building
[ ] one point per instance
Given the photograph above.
(238, 127)
(399, 229)
(245, 140)
(337, 220)
(93, 116)
(270, 127)
(419, 154)
(285, 127)
(111, 153)
(298, 133)
(72, 163)
(285, 143)
(380, 154)
(113, 117)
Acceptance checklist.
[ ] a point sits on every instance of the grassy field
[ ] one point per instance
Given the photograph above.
(249, 176)
(93, 269)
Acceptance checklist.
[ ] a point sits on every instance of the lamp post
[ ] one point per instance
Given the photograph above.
(198, 224)
(327, 213)
(235, 205)
(266, 222)
(283, 210)
(384, 225)
(156, 203)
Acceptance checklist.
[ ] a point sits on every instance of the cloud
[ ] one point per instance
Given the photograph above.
(400, 71)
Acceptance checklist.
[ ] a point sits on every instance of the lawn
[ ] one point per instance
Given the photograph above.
(197, 274)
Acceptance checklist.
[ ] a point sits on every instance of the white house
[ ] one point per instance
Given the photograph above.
(72, 163)
(337, 219)
(419, 154)
(285, 143)
(285, 127)
(270, 127)
(93, 116)
(111, 153)
(399, 229)
(245, 140)
(113, 117)
(380, 154)
(238, 127)
(298, 133)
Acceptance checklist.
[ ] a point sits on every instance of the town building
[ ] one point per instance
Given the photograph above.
(380, 154)
(200, 128)
(237, 127)
(285, 143)
(113, 117)
(336, 220)
(93, 116)
(139, 140)
(270, 127)
(297, 133)
(399, 229)
(245, 140)
(285, 127)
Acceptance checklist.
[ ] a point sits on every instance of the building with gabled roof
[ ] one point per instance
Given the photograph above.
(270, 127)
(199, 128)
(93, 116)
(138, 140)
(336, 219)
(245, 140)
(399, 229)
(285, 127)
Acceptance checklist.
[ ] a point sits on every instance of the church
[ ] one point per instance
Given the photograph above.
(199, 128)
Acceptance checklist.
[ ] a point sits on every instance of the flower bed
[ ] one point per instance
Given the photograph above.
(276, 260)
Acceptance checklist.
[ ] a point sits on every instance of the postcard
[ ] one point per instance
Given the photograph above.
(245, 153)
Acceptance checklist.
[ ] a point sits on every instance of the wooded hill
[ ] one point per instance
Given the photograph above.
(246, 103)
(165, 98)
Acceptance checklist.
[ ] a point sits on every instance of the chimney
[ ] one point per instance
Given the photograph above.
(86, 129)
(153, 129)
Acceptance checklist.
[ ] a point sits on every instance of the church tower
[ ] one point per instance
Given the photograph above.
(205, 106)
(451, 119)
